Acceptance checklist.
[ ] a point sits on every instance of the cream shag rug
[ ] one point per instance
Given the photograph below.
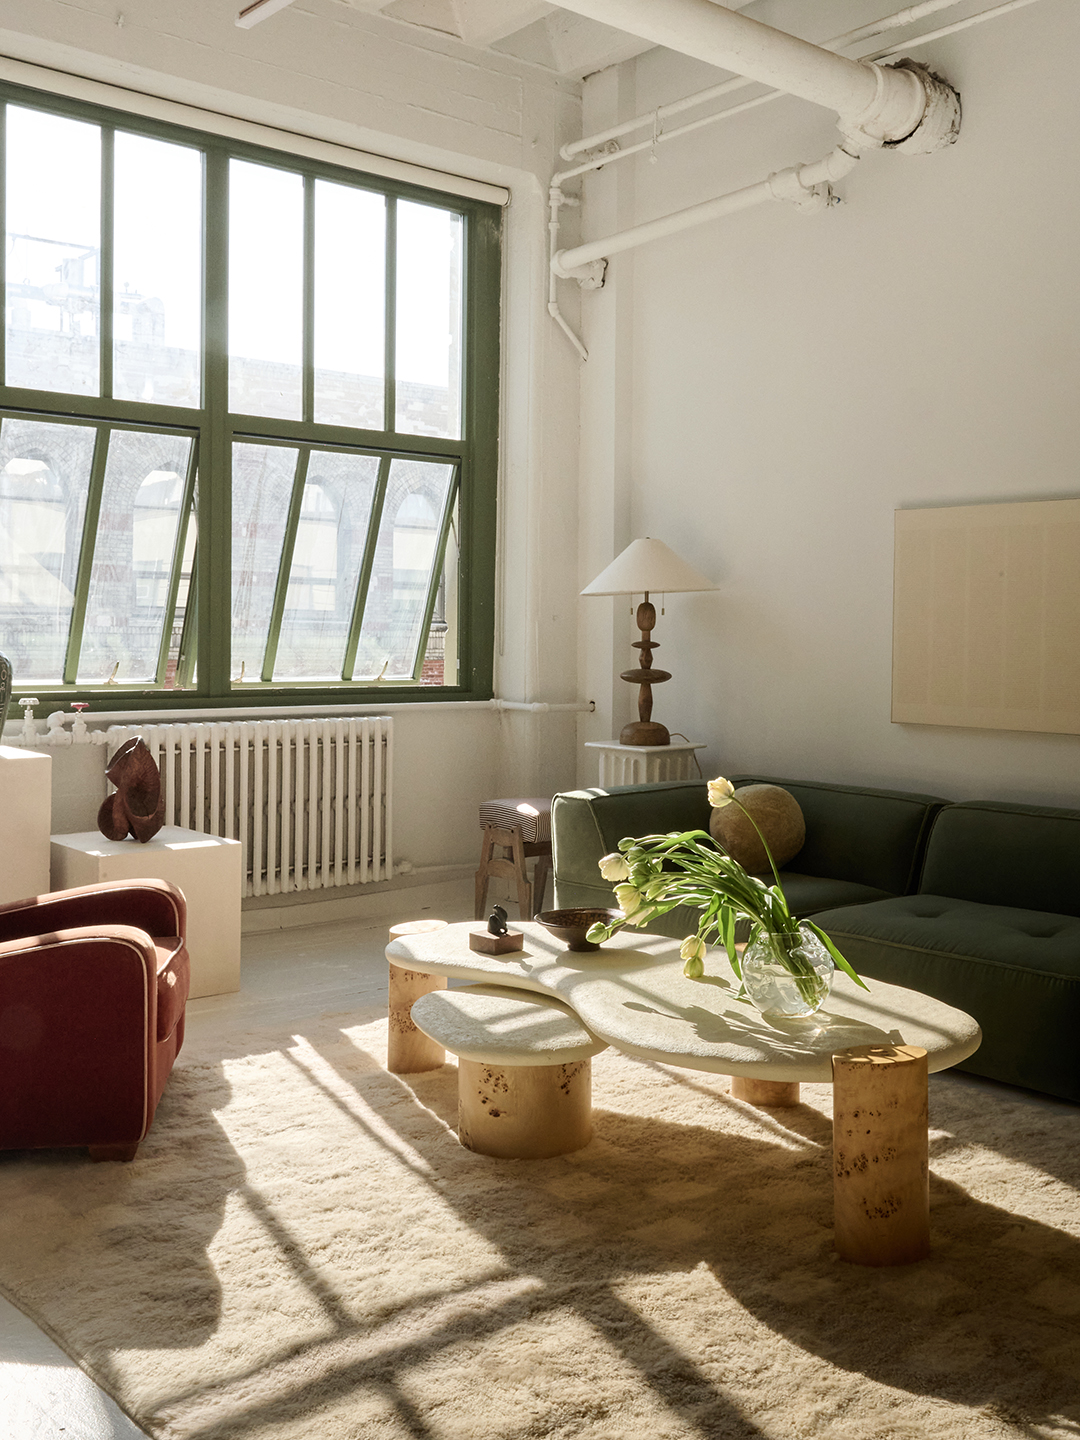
(302, 1251)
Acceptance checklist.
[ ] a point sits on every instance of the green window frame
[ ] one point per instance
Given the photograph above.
(202, 658)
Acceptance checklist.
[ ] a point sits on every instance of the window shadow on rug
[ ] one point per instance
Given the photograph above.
(304, 1249)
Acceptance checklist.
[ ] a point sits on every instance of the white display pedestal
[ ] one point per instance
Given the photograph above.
(205, 867)
(25, 822)
(645, 764)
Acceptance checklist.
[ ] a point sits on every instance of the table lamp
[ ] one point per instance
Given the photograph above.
(647, 567)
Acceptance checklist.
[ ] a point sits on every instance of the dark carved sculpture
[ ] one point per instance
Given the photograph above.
(138, 806)
(497, 921)
(5, 688)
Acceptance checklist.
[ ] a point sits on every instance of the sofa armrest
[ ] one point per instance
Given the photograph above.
(154, 906)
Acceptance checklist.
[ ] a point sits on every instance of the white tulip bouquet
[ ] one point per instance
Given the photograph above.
(656, 873)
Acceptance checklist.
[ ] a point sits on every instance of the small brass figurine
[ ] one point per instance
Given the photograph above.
(497, 921)
(138, 806)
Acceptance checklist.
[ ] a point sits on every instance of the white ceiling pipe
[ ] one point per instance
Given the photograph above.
(806, 185)
(661, 137)
(874, 105)
(655, 118)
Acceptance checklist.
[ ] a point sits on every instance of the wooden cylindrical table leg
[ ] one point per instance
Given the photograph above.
(764, 1092)
(408, 1050)
(880, 1155)
(524, 1112)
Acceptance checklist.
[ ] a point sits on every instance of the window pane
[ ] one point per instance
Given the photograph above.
(350, 306)
(133, 556)
(416, 499)
(428, 354)
(329, 551)
(53, 252)
(44, 480)
(157, 269)
(262, 489)
(266, 290)
(440, 665)
(179, 674)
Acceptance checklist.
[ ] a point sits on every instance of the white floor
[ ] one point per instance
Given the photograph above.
(286, 974)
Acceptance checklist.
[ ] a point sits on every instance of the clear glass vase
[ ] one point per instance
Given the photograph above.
(787, 974)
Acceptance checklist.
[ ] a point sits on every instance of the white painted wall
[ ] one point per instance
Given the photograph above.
(765, 391)
(323, 69)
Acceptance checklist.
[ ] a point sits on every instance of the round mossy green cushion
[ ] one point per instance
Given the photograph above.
(777, 815)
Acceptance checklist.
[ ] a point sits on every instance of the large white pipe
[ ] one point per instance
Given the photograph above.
(887, 105)
(656, 117)
(798, 184)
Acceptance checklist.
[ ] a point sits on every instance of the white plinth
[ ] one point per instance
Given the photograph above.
(205, 867)
(25, 822)
(645, 764)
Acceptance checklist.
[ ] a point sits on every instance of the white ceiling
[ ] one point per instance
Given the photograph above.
(531, 30)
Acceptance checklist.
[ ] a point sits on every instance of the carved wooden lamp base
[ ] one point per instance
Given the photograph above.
(645, 730)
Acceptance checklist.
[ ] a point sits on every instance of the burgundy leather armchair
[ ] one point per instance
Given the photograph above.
(93, 984)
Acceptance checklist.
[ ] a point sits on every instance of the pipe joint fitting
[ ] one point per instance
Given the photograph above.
(913, 110)
(789, 185)
(589, 276)
(940, 123)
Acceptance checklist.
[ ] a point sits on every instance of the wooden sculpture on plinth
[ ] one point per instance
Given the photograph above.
(137, 808)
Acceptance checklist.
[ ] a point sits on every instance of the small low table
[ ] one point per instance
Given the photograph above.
(524, 1069)
(632, 994)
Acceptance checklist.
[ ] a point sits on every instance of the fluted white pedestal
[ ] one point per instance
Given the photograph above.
(645, 764)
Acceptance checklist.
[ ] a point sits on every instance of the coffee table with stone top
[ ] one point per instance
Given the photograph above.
(632, 994)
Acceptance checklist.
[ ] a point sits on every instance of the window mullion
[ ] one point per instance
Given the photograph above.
(281, 589)
(3, 231)
(177, 566)
(86, 554)
(214, 575)
(374, 521)
(105, 261)
(390, 320)
(308, 373)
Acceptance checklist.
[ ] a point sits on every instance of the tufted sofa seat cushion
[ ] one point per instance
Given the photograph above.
(1016, 971)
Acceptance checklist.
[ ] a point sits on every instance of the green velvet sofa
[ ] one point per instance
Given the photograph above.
(861, 844)
(977, 904)
(994, 929)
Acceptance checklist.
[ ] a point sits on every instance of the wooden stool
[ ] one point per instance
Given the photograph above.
(524, 1069)
(881, 1198)
(514, 831)
(408, 1050)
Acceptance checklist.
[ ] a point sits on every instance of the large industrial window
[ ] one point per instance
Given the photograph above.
(247, 420)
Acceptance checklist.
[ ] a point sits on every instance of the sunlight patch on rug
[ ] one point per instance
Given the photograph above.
(302, 1249)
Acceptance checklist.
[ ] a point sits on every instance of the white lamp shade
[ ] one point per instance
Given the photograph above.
(648, 565)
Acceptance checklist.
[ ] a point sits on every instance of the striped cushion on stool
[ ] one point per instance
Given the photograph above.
(533, 816)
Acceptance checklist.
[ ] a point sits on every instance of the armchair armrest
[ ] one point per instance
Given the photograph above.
(154, 906)
(82, 1011)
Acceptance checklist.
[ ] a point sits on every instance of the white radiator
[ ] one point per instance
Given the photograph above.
(309, 800)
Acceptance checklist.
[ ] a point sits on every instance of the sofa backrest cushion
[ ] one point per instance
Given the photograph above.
(586, 824)
(993, 853)
(873, 837)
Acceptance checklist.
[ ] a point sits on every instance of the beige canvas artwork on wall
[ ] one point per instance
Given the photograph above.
(986, 616)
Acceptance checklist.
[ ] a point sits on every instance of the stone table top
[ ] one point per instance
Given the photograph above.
(632, 994)
(499, 1026)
